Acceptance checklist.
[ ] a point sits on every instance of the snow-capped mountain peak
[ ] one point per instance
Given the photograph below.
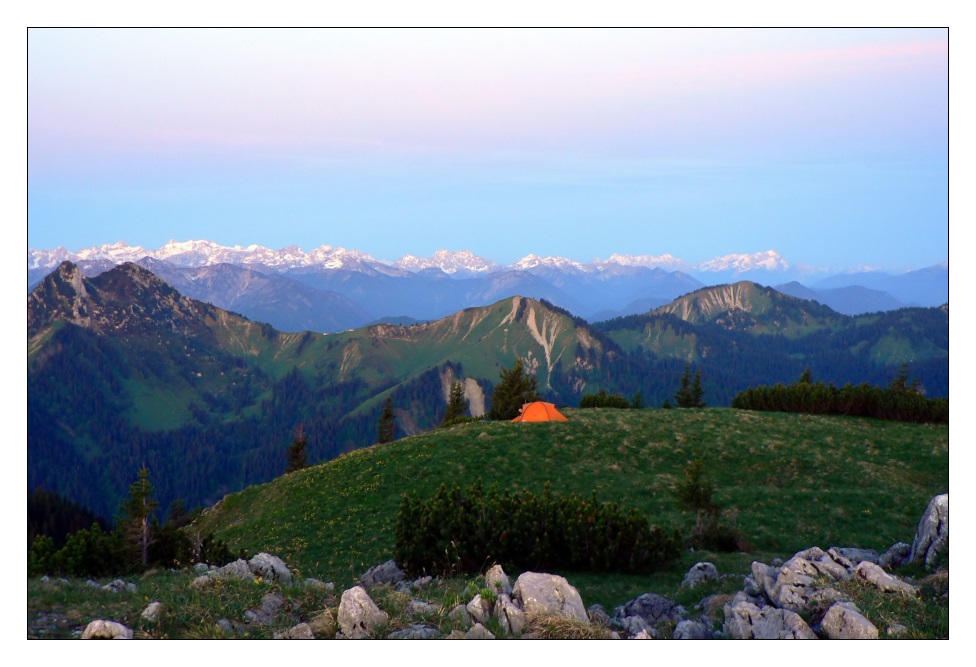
(463, 261)
(770, 260)
(533, 262)
(665, 261)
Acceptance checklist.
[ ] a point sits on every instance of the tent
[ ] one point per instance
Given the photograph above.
(539, 412)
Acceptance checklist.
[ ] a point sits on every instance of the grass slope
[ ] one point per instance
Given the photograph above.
(791, 481)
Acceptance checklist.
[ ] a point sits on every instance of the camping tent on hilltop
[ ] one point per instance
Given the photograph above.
(540, 412)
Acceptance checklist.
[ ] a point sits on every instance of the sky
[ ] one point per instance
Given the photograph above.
(828, 146)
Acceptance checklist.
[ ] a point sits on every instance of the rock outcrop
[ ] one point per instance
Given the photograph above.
(932, 535)
(358, 614)
(541, 594)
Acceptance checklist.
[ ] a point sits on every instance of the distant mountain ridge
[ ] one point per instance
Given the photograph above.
(351, 288)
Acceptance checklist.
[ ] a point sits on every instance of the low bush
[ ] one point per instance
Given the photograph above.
(465, 531)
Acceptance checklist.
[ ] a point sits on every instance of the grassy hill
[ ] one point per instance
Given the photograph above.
(791, 481)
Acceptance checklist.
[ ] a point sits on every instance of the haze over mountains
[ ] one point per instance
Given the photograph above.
(123, 370)
(332, 289)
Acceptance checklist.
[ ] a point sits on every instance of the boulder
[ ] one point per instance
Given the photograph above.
(744, 620)
(201, 582)
(416, 631)
(152, 612)
(459, 614)
(633, 626)
(540, 594)
(478, 632)
(896, 630)
(511, 619)
(651, 608)
(795, 585)
(389, 573)
(844, 621)
(497, 581)
(643, 634)
(358, 614)
(896, 556)
(269, 568)
(239, 569)
(479, 609)
(300, 631)
(692, 630)
(877, 577)
(932, 535)
(201, 568)
(100, 629)
(698, 574)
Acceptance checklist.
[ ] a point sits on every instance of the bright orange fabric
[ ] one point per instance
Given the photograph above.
(540, 412)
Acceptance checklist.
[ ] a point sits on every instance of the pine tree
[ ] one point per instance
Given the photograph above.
(515, 389)
(807, 377)
(682, 397)
(387, 426)
(697, 393)
(137, 512)
(296, 452)
(456, 405)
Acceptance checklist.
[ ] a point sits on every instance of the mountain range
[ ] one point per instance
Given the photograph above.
(332, 289)
(124, 369)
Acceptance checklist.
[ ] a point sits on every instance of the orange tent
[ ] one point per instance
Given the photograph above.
(540, 412)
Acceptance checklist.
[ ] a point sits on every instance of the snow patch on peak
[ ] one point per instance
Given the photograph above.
(665, 261)
(532, 261)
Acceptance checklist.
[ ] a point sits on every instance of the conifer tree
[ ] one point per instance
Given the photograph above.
(638, 401)
(697, 393)
(456, 405)
(137, 512)
(296, 452)
(682, 397)
(515, 389)
(387, 426)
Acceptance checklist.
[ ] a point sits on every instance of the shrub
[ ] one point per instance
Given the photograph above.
(602, 399)
(464, 531)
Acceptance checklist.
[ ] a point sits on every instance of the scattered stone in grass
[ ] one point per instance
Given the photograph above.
(320, 585)
(480, 609)
(117, 586)
(896, 556)
(152, 612)
(478, 632)
(416, 631)
(101, 629)
(689, 629)
(699, 574)
(497, 581)
(844, 621)
(269, 568)
(358, 614)
(877, 577)
(300, 631)
(896, 630)
(389, 573)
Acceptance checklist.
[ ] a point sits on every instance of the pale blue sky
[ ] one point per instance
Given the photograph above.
(830, 147)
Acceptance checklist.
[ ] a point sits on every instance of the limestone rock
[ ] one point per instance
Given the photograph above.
(692, 630)
(698, 574)
(478, 632)
(388, 573)
(896, 556)
(643, 634)
(497, 581)
(358, 614)
(874, 575)
(152, 612)
(416, 631)
(653, 609)
(320, 585)
(510, 617)
(269, 568)
(118, 586)
(421, 608)
(932, 535)
(795, 585)
(201, 582)
(896, 630)
(745, 620)
(100, 629)
(635, 625)
(479, 609)
(300, 631)
(548, 594)
(856, 555)
(201, 568)
(459, 614)
(844, 621)
(239, 569)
